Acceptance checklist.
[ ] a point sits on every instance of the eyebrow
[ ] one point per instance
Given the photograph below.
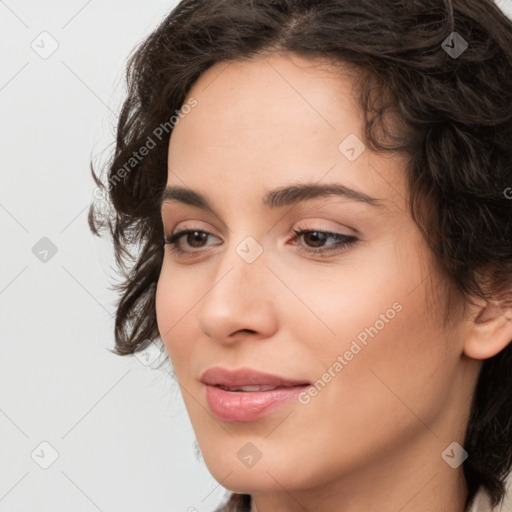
(276, 198)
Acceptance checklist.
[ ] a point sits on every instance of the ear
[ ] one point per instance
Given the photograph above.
(490, 327)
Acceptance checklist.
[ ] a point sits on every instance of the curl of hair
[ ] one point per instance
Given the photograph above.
(453, 119)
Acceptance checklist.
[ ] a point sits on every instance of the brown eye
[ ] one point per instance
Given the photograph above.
(317, 238)
(314, 241)
(194, 238)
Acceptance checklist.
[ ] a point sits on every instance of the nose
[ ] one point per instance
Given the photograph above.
(241, 300)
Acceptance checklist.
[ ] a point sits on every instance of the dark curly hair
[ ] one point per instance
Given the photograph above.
(453, 120)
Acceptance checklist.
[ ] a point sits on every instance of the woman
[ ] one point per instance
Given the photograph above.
(322, 190)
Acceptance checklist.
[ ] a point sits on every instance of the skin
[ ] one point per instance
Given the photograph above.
(372, 438)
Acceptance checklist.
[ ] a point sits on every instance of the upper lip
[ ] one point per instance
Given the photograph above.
(219, 376)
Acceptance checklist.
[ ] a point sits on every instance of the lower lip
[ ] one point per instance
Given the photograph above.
(247, 406)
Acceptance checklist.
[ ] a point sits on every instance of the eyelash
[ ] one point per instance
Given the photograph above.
(343, 241)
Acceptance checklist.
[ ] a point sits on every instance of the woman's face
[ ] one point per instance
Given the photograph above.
(389, 386)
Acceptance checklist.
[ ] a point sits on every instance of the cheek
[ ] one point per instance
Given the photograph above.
(397, 380)
(174, 313)
(396, 356)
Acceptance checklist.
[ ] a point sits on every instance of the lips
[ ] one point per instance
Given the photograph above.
(246, 379)
(246, 395)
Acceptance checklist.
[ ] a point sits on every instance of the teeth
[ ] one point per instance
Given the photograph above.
(249, 388)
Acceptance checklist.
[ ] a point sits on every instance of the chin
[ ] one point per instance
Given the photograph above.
(249, 484)
(263, 476)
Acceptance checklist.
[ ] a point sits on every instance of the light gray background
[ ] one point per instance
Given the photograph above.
(123, 438)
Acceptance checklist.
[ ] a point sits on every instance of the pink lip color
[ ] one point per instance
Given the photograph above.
(245, 406)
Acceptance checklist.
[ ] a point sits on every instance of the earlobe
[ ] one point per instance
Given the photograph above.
(490, 331)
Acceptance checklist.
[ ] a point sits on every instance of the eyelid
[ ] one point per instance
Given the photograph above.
(323, 224)
(193, 225)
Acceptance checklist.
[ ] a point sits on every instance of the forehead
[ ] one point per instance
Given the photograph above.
(268, 121)
(269, 95)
